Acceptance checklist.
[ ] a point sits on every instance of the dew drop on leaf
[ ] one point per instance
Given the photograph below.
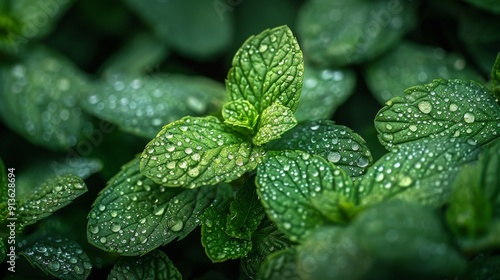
(425, 107)
(469, 117)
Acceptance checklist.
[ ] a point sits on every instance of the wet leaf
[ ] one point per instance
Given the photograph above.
(193, 152)
(274, 121)
(495, 78)
(336, 143)
(40, 99)
(267, 69)
(242, 114)
(154, 265)
(411, 64)
(143, 105)
(52, 195)
(133, 215)
(421, 172)
(288, 181)
(443, 108)
(338, 33)
(324, 90)
(219, 246)
(280, 265)
(59, 257)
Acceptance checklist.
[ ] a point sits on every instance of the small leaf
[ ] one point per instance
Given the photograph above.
(336, 143)
(49, 197)
(218, 245)
(245, 213)
(193, 152)
(143, 105)
(495, 78)
(287, 181)
(280, 265)
(443, 108)
(267, 69)
(132, 204)
(240, 113)
(274, 121)
(154, 265)
(420, 171)
(59, 257)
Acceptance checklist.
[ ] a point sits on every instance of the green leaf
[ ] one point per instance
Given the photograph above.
(337, 33)
(495, 78)
(336, 143)
(219, 246)
(245, 213)
(59, 257)
(287, 181)
(240, 113)
(420, 171)
(323, 92)
(40, 96)
(3, 251)
(443, 108)
(266, 240)
(131, 204)
(193, 152)
(280, 265)
(267, 69)
(154, 265)
(410, 64)
(488, 5)
(49, 197)
(192, 27)
(274, 121)
(143, 105)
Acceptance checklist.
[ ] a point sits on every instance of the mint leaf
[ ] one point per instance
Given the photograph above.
(495, 78)
(420, 171)
(410, 64)
(280, 265)
(287, 181)
(219, 246)
(274, 121)
(443, 108)
(40, 96)
(49, 197)
(143, 105)
(337, 33)
(336, 143)
(59, 257)
(131, 204)
(240, 113)
(324, 90)
(154, 265)
(245, 213)
(267, 69)
(193, 152)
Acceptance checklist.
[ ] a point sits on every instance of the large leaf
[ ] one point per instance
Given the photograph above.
(267, 69)
(336, 143)
(337, 33)
(154, 265)
(443, 108)
(420, 171)
(143, 105)
(133, 215)
(288, 183)
(193, 152)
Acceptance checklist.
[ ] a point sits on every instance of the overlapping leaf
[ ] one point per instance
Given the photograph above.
(241, 113)
(154, 265)
(443, 108)
(280, 265)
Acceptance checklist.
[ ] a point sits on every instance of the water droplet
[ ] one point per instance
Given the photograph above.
(469, 117)
(193, 172)
(453, 107)
(103, 240)
(101, 207)
(94, 229)
(388, 126)
(54, 266)
(263, 48)
(188, 151)
(287, 225)
(175, 224)
(379, 177)
(413, 127)
(73, 260)
(425, 107)
(78, 269)
(208, 223)
(362, 162)
(116, 228)
(160, 211)
(405, 181)
(334, 157)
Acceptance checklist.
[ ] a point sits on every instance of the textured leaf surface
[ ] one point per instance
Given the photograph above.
(143, 105)
(240, 113)
(267, 69)
(336, 143)
(280, 266)
(443, 108)
(421, 171)
(154, 265)
(337, 33)
(59, 257)
(193, 152)
(49, 197)
(274, 121)
(219, 246)
(133, 215)
(245, 213)
(40, 97)
(409, 65)
(324, 90)
(287, 181)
